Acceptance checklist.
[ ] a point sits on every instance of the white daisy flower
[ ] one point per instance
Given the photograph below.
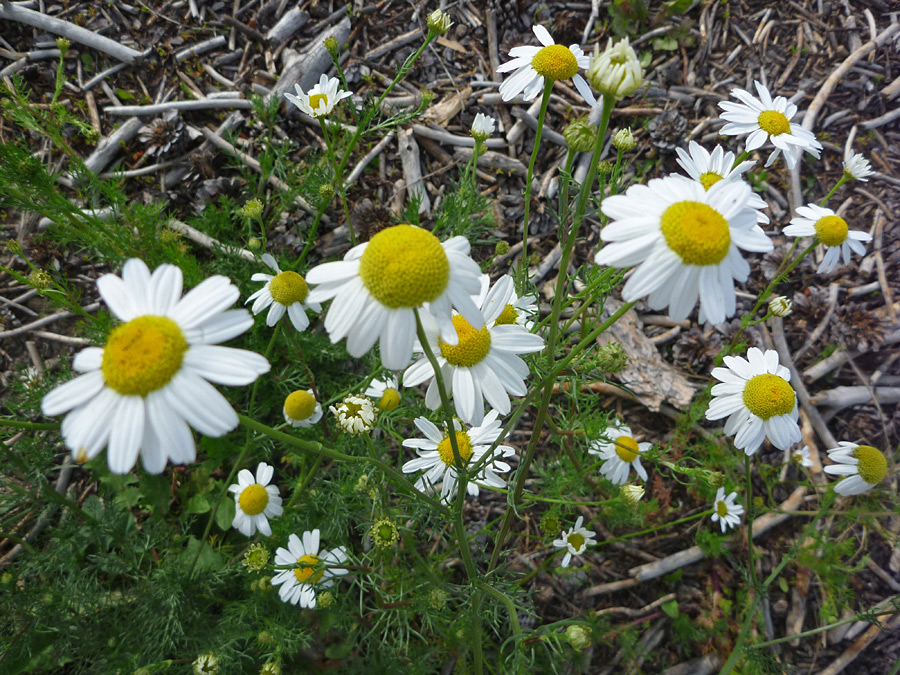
(283, 292)
(767, 119)
(483, 126)
(482, 365)
(862, 466)
(206, 664)
(356, 415)
(800, 456)
(575, 541)
(301, 409)
(515, 310)
(255, 501)
(533, 64)
(726, 511)
(308, 569)
(832, 230)
(436, 455)
(379, 284)
(620, 452)
(321, 99)
(687, 238)
(139, 393)
(856, 166)
(710, 168)
(756, 396)
(386, 392)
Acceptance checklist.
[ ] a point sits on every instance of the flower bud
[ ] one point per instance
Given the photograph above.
(611, 357)
(326, 192)
(40, 280)
(780, 305)
(604, 167)
(580, 135)
(256, 558)
(550, 525)
(632, 494)
(501, 248)
(578, 636)
(325, 600)
(254, 243)
(252, 209)
(270, 668)
(331, 44)
(206, 664)
(62, 44)
(624, 140)
(438, 22)
(384, 533)
(616, 72)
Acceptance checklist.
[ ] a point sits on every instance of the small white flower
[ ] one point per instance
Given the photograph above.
(308, 569)
(620, 453)
(800, 456)
(780, 306)
(386, 392)
(301, 409)
(756, 396)
(515, 310)
(616, 72)
(575, 541)
(632, 494)
(206, 664)
(483, 126)
(283, 292)
(832, 230)
(767, 119)
(321, 99)
(437, 460)
(863, 466)
(255, 501)
(356, 415)
(726, 511)
(856, 166)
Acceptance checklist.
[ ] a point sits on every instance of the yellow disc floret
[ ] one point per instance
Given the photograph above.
(317, 99)
(832, 230)
(627, 448)
(404, 266)
(472, 347)
(575, 540)
(463, 444)
(508, 316)
(696, 232)
(389, 400)
(872, 465)
(721, 508)
(708, 179)
(555, 62)
(768, 395)
(254, 499)
(143, 355)
(300, 405)
(774, 123)
(310, 570)
(288, 287)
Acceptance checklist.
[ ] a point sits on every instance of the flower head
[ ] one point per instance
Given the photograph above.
(385, 391)
(780, 306)
(856, 166)
(726, 511)
(832, 231)
(482, 127)
(307, 569)
(139, 393)
(765, 119)
(438, 22)
(283, 292)
(575, 541)
(800, 456)
(301, 409)
(580, 134)
(437, 459)
(384, 533)
(617, 72)
(687, 238)
(256, 559)
(321, 99)
(533, 64)
(255, 501)
(620, 453)
(380, 283)
(206, 664)
(756, 396)
(356, 415)
(862, 466)
(624, 140)
(632, 494)
(578, 636)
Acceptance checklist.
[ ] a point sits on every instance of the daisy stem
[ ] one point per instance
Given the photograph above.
(630, 535)
(748, 470)
(34, 426)
(304, 483)
(744, 155)
(565, 179)
(842, 180)
(608, 104)
(474, 166)
(522, 270)
(338, 178)
(861, 616)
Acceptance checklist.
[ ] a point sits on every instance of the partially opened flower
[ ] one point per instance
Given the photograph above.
(301, 409)
(726, 511)
(385, 391)
(482, 127)
(832, 230)
(765, 119)
(321, 99)
(141, 391)
(616, 71)
(621, 453)
(379, 284)
(533, 64)
(308, 569)
(862, 467)
(575, 541)
(355, 414)
(800, 456)
(437, 459)
(255, 501)
(283, 292)
(856, 166)
(756, 396)
(515, 309)
(686, 239)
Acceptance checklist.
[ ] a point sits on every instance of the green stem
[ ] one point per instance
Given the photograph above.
(842, 180)
(34, 426)
(303, 484)
(338, 178)
(510, 607)
(821, 629)
(749, 498)
(631, 535)
(745, 631)
(608, 104)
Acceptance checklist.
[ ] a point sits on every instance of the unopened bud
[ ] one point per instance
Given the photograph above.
(326, 192)
(604, 167)
(616, 72)
(624, 140)
(252, 209)
(632, 494)
(40, 280)
(254, 244)
(550, 525)
(578, 636)
(438, 22)
(501, 248)
(62, 44)
(580, 135)
(331, 44)
(611, 357)
(780, 305)
(325, 600)
(384, 533)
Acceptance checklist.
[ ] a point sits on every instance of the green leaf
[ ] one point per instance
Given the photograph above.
(156, 492)
(87, 61)
(667, 43)
(225, 514)
(124, 95)
(198, 504)
(670, 608)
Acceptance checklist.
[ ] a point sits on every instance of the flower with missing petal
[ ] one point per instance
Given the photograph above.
(862, 467)
(307, 569)
(816, 221)
(856, 166)
(283, 292)
(301, 409)
(255, 501)
(321, 99)
(574, 541)
(620, 452)
(385, 391)
(800, 457)
(726, 511)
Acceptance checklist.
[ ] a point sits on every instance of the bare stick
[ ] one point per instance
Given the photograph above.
(206, 241)
(22, 330)
(205, 104)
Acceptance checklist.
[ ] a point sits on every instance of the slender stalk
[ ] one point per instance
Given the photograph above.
(840, 182)
(338, 178)
(749, 499)
(34, 426)
(862, 616)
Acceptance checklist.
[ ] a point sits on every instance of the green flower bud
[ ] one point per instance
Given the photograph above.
(437, 598)
(62, 44)
(604, 167)
(326, 192)
(578, 636)
(580, 135)
(501, 247)
(331, 44)
(40, 280)
(624, 140)
(252, 209)
(384, 533)
(632, 494)
(256, 558)
(438, 22)
(270, 668)
(550, 524)
(254, 243)
(265, 638)
(325, 600)
(616, 72)
(611, 357)
(206, 664)
(780, 305)
(13, 246)
(362, 483)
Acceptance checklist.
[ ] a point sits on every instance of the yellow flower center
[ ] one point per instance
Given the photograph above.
(389, 400)
(575, 540)
(143, 355)
(872, 465)
(317, 99)
(463, 444)
(768, 395)
(774, 123)
(556, 62)
(287, 288)
(708, 179)
(254, 499)
(472, 347)
(627, 449)
(404, 266)
(300, 405)
(721, 509)
(832, 230)
(509, 315)
(696, 232)
(310, 570)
